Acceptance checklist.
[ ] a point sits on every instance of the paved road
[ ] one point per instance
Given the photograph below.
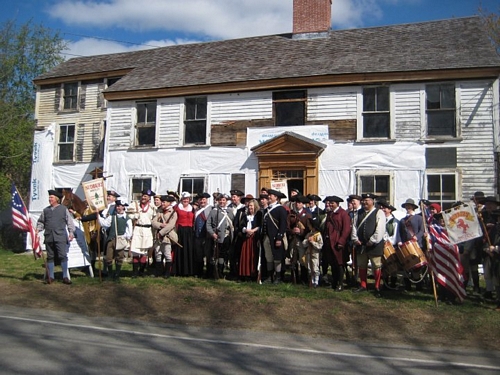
(43, 342)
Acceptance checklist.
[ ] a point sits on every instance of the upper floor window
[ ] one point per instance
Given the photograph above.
(378, 184)
(376, 112)
(70, 95)
(289, 107)
(66, 144)
(195, 123)
(441, 110)
(146, 124)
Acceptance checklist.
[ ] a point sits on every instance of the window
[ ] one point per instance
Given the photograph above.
(376, 112)
(441, 157)
(193, 185)
(441, 188)
(146, 124)
(441, 108)
(195, 123)
(66, 143)
(380, 185)
(70, 95)
(289, 108)
(138, 185)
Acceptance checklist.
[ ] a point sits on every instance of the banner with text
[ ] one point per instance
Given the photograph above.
(95, 193)
(462, 223)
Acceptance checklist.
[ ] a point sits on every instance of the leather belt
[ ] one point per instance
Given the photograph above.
(143, 226)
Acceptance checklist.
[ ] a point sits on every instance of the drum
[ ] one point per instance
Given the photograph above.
(390, 262)
(411, 256)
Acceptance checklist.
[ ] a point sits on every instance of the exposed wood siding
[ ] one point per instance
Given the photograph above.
(332, 104)
(169, 122)
(406, 112)
(475, 156)
(120, 125)
(242, 106)
(88, 119)
(234, 133)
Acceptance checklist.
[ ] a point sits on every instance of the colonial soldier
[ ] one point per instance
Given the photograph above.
(491, 204)
(354, 207)
(273, 234)
(312, 206)
(117, 225)
(368, 237)
(297, 229)
(493, 252)
(391, 229)
(142, 240)
(220, 228)
(411, 228)
(336, 235)
(59, 229)
(202, 246)
(164, 225)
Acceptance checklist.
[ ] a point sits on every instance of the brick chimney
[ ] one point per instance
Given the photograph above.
(311, 16)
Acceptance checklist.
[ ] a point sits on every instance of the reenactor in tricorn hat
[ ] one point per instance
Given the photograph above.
(58, 226)
(368, 237)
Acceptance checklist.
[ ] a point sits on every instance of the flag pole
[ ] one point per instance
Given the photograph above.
(429, 246)
(33, 235)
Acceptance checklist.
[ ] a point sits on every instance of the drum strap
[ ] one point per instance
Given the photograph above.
(408, 226)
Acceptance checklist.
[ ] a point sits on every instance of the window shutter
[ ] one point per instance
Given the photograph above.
(83, 92)
(79, 142)
(57, 98)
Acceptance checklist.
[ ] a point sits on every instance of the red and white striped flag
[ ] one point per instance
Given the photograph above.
(445, 261)
(21, 220)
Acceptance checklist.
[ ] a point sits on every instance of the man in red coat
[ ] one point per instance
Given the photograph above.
(336, 235)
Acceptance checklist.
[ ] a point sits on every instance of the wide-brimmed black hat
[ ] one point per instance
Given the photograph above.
(173, 193)
(411, 202)
(274, 192)
(301, 199)
(167, 198)
(333, 198)
(314, 197)
(384, 203)
(56, 193)
(491, 199)
(353, 196)
(237, 192)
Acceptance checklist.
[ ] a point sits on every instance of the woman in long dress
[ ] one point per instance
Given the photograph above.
(184, 256)
(249, 228)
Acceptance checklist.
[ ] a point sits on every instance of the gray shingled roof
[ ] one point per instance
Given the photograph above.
(458, 43)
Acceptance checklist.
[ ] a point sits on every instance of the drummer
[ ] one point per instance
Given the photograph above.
(411, 228)
(391, 229)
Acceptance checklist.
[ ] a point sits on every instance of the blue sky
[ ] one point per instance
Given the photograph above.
(106, 26)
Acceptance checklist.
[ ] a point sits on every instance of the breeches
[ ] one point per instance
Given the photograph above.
(113, 254)
(362, 261)
(61, 248)
(165, 250)
(272, 254)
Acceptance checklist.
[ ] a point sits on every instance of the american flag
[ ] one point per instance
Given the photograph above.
(445, 261)
(21, 220)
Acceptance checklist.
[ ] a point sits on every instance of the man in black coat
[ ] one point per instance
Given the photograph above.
(273, 234)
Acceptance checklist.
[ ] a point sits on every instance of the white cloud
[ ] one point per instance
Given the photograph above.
(182, 21)
(91, 46)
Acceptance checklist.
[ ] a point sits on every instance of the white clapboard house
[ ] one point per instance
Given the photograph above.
(403, 111)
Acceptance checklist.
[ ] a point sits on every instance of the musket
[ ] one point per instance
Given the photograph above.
(311, 272)
(216, 248)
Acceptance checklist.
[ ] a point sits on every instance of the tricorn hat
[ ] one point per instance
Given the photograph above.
(368, 195)
(333, 198)
(203, 195)
(301, 199)
(56, 193)
(237, 192)
(314, 197)
(167, 198)
(353, 196)
(113, 193)
(121, 202)
(173, 194)
(149, 192)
